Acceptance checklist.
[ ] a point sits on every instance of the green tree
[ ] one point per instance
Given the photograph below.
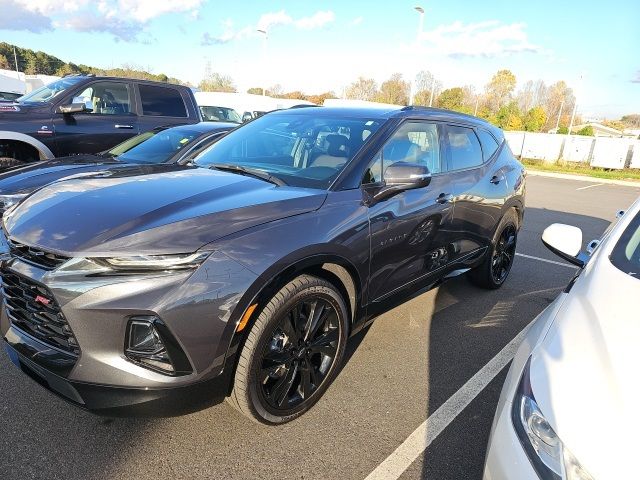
(362, 89)
(509, 117)
(563, 129)
(499, 90)
(451, 99)
(395, 90)
(255, 90)
(587, 131)
(217, 82)
(535, 119)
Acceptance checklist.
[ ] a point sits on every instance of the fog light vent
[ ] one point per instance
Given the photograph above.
(150, 343)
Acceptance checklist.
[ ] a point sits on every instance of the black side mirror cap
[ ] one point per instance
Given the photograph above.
(401, 176)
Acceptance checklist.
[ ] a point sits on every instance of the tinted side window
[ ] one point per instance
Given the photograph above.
(489, 144)
(161, 101)
(464, 148)
(413, 142)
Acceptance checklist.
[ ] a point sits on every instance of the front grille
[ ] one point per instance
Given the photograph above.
(35, 256)
(32, 308)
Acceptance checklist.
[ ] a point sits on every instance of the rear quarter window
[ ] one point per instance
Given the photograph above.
(161, 101)
(489, 144)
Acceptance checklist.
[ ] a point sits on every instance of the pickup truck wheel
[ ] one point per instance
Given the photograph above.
(495, 268)
(292, 353)
(6, 162)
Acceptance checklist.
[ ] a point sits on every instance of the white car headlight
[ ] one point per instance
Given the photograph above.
(551, 459)
(154, 262)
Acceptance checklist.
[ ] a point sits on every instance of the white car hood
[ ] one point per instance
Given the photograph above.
(585, 373)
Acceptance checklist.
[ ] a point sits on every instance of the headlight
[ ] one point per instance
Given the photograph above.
(8, 201)
(154, 262)
(548, 455)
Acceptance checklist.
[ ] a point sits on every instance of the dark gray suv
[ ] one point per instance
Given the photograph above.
(243, 276)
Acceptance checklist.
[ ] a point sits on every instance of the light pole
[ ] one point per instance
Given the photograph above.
(265, 38)
(575, 105)
(559, 115)
(412, 91)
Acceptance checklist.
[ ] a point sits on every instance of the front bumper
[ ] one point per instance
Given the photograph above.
(39, 362)
(198, 307)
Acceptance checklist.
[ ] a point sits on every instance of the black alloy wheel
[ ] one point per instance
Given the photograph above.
(302, 349)
(503, 253)
(497, 262)
(292, 352)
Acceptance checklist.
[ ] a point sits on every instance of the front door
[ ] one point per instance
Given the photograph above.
(410, 237)
(109, 119)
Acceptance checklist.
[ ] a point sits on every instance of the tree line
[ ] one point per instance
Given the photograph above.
(534, 107)
(31, 62)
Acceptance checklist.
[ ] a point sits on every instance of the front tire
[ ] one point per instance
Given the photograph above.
(494, 269)
(292, 353)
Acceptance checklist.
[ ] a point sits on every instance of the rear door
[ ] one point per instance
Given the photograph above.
(109, 118)
(410, 231)
(160, 106)
(479, 188)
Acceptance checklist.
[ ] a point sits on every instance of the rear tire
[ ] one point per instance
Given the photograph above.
(494, 269)
(292, 352)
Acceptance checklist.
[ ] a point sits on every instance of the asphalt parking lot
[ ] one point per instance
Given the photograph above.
(397, 374)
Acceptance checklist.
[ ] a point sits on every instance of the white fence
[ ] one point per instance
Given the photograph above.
(604, 152)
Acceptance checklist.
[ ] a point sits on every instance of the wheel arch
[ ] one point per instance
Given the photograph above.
(43, 151)
(333, 268)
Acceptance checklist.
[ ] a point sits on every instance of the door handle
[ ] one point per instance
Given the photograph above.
(118, 125)
(496, 179)
(444, 198)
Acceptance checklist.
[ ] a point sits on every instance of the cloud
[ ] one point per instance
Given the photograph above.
(483, 39)
(317, 20)
(15, 16)
(637, 78)
(268, 22)
(124, 19)
(357, 21)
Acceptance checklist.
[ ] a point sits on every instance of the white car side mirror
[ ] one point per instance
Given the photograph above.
(565, 241)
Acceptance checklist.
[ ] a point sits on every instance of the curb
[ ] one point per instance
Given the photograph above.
(583, 178)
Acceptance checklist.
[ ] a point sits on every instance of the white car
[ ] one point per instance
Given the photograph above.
(569, 406)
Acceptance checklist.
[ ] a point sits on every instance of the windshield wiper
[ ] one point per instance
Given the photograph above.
(252, 172)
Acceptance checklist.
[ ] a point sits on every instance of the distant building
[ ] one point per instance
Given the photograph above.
(599, 130)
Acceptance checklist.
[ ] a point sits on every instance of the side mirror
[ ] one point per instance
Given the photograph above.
(72, 108)
(565, 241)
(401, 176)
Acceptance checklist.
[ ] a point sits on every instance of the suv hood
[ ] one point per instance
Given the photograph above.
(126, 213)
(584, 373)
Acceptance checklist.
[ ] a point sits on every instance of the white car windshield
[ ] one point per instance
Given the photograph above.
(626, 254)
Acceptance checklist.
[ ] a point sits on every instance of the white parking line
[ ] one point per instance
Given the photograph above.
(568, 265)
(403, 456)
(590, 186)
(416, 443)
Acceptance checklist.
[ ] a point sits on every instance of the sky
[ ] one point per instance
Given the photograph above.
(316, 46)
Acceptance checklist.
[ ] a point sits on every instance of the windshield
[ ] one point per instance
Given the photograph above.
(220, 114)
(301, 150)
(48, 92)
(626, 254)
(156, 146)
